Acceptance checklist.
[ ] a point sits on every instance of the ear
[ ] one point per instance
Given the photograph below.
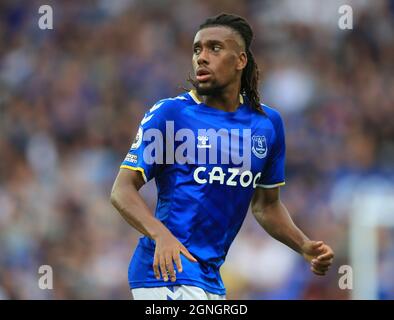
(242, 61)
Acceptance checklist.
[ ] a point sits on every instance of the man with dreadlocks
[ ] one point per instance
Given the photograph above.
(202, 205)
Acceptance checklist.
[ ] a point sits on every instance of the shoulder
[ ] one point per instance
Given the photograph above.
(169, 107)
(274, 116)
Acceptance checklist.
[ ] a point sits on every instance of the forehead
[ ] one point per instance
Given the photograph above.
(218, 33)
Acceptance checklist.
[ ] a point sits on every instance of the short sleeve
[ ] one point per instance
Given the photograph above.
(146, 153)
(273, 174)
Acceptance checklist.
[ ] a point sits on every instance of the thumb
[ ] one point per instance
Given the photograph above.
(316, 244)
(312, 247)
(187, 254)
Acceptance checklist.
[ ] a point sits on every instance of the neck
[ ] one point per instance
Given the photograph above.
(228, 100)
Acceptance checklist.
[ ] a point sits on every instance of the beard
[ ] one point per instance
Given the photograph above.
(212, 90)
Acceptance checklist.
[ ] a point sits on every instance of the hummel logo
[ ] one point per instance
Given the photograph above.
(202, 142)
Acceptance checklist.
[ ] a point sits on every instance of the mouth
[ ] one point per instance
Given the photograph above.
(203, 75)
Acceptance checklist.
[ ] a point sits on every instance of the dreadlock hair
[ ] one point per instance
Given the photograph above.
(250, 74)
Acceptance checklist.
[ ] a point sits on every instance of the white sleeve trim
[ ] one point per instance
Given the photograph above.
(270, 186)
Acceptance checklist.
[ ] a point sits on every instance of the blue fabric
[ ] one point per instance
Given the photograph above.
(204, 203)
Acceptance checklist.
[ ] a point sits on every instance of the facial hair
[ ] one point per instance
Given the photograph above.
(213, 90)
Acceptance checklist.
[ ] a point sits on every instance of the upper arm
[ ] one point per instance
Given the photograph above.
(128, 179)
(264, 197)
(147, 152)
(273, 173)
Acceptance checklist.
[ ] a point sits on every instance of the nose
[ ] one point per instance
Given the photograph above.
(202, 57)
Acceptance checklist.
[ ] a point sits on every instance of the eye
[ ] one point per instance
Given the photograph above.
(197, 50)
(216, 48)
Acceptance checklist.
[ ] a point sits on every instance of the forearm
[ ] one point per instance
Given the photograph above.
(275, 219)
(135, 211)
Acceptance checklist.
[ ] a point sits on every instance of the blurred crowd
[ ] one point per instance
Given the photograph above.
(71, 100)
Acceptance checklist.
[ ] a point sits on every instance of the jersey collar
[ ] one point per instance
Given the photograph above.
(193, 95)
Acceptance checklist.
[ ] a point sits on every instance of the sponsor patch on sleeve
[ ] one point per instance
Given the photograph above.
(131, 158)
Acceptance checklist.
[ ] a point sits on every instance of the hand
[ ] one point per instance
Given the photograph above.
(167, 251)
(319, 255)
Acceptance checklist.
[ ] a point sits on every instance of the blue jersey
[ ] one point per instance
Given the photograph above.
(207, 164)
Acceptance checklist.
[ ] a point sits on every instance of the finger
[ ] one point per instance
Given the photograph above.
(317, 248)
(178, 262)
(317, 244)
(187, 254)
(156, 267)
(321, 268)
(163, 269)
(170, 267)
(323, 263)
(317, 272)
(326, 256)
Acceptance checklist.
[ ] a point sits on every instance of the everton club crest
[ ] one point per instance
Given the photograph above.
(138, 140)
(259, 146)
